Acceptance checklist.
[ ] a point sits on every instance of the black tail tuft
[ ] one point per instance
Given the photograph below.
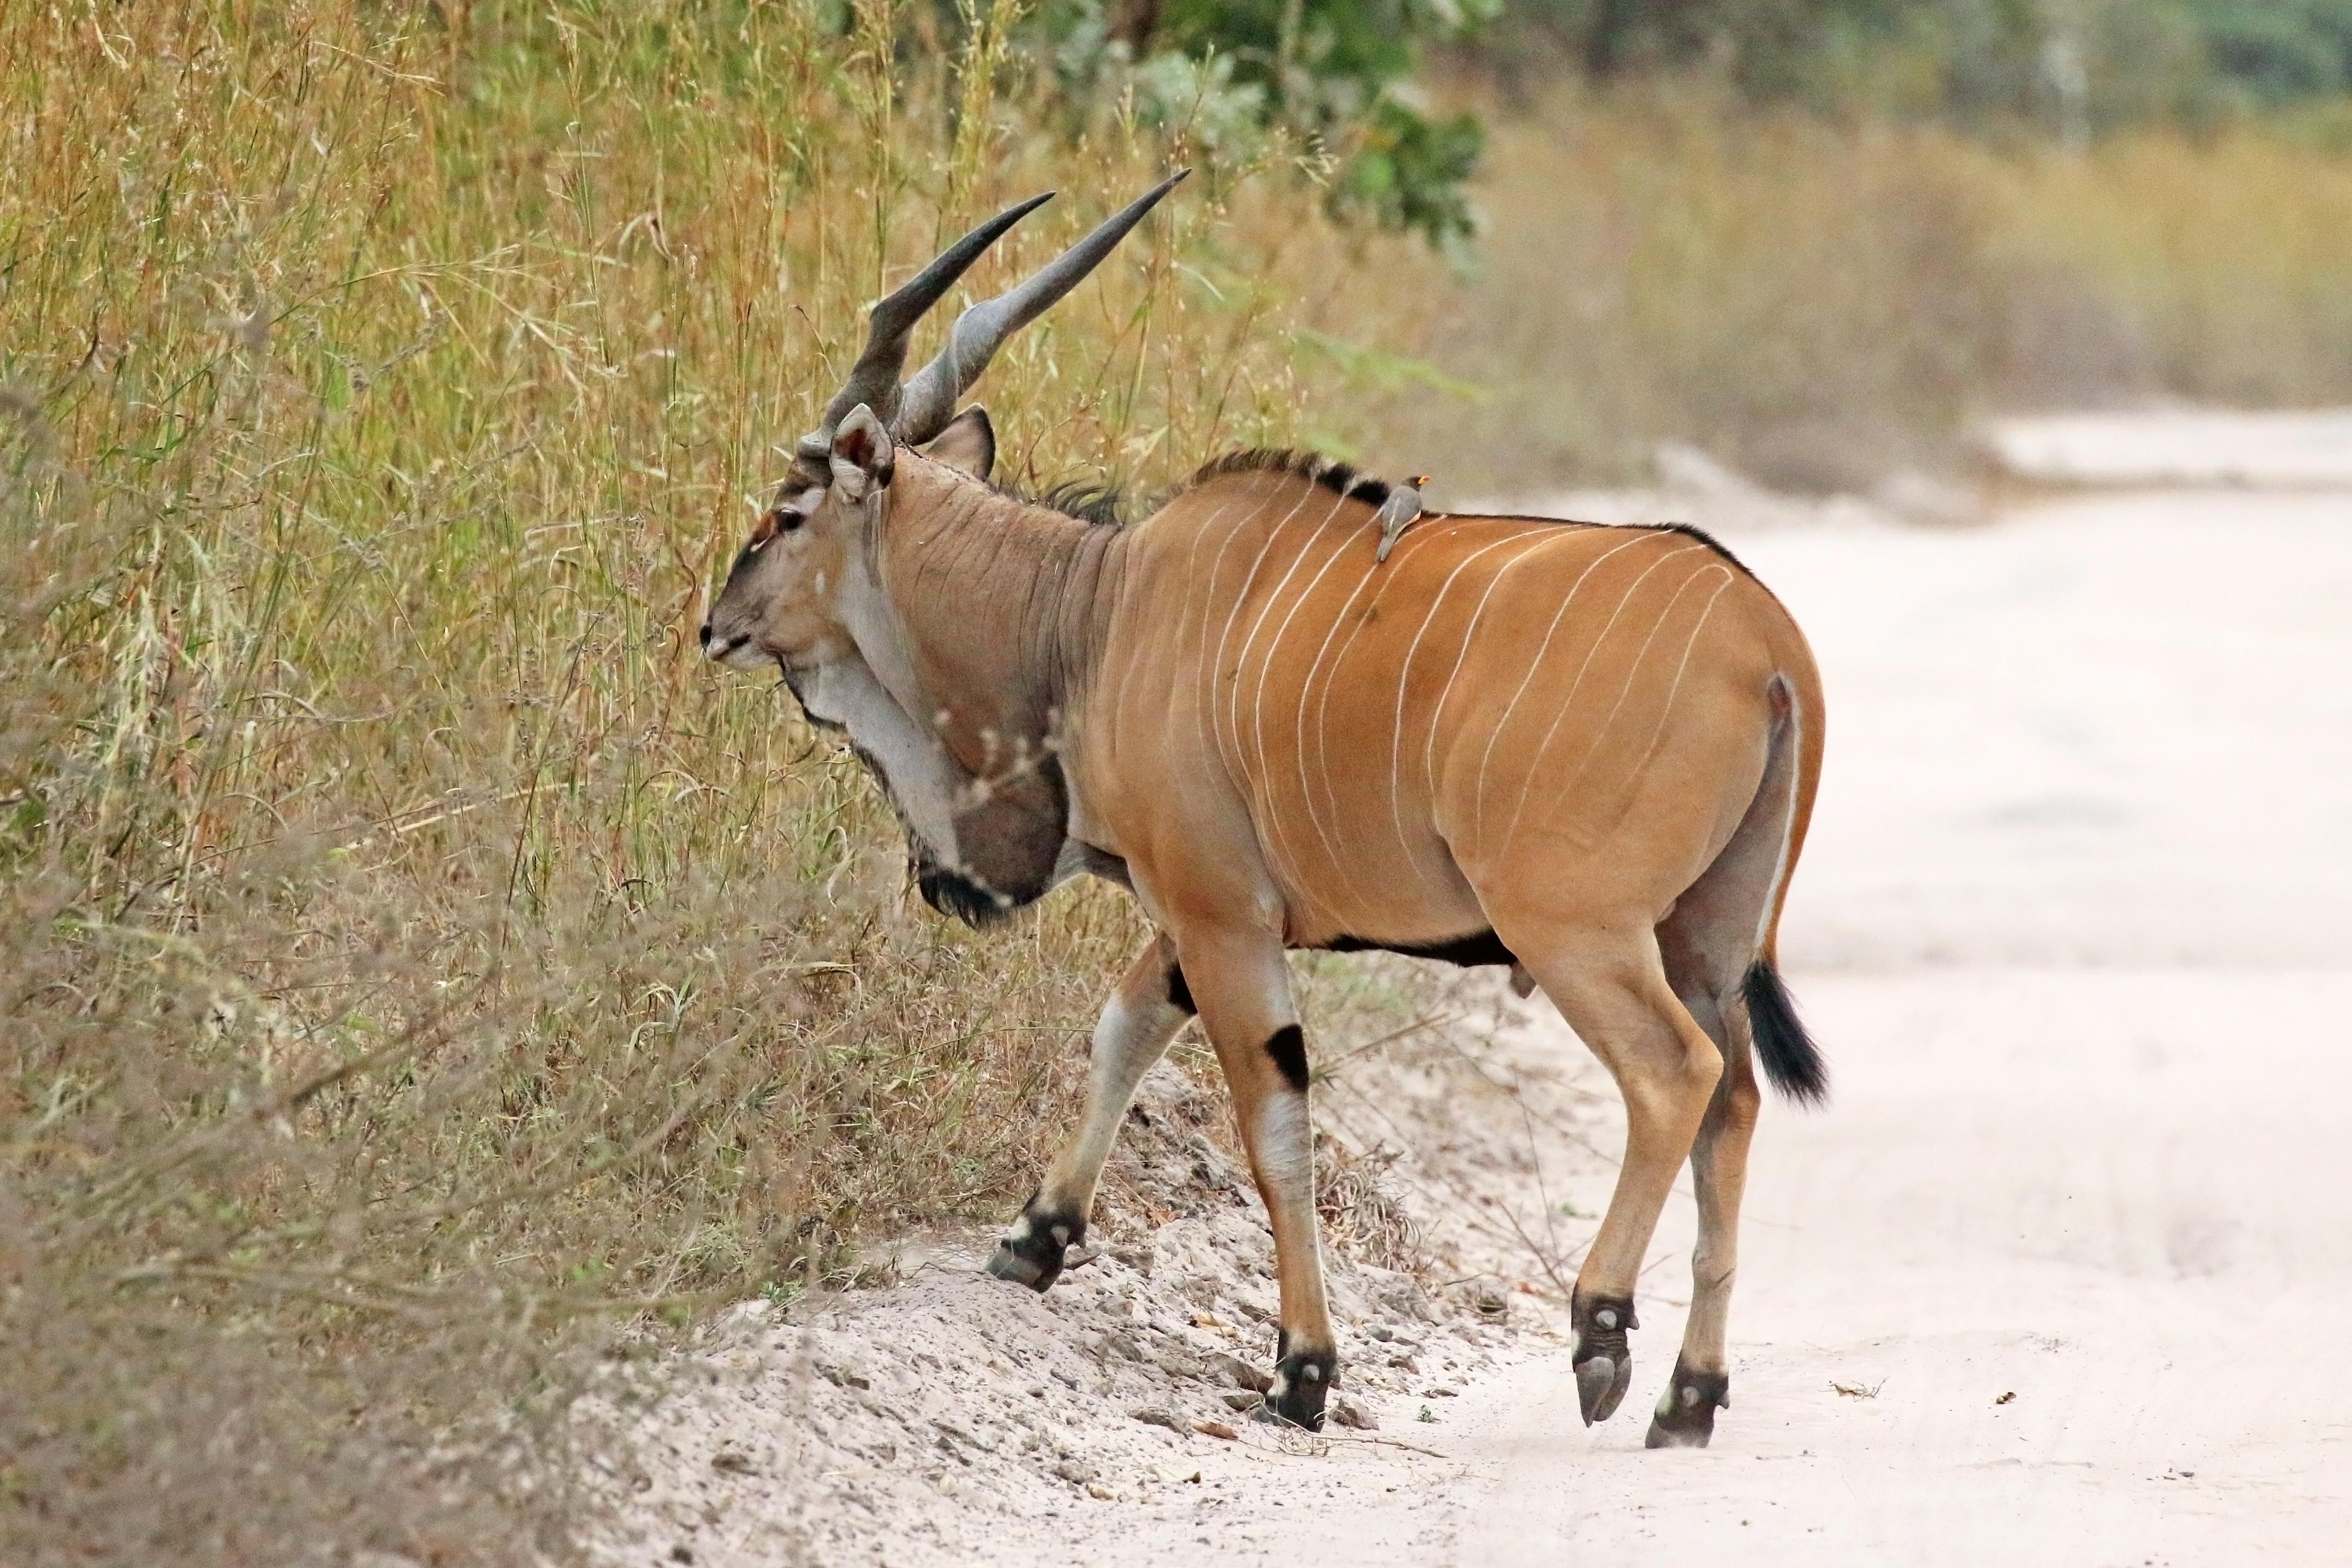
(1790, 1058)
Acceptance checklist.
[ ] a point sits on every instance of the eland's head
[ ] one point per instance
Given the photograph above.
(783, 604)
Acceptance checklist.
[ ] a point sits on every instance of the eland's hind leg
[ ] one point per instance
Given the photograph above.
(1611, 988)
(1701, 1384)
(1709, 944)
(1142, 1015)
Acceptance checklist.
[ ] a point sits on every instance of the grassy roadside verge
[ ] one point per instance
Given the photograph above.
(413, 962)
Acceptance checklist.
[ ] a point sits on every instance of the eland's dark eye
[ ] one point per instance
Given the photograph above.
(782, 519)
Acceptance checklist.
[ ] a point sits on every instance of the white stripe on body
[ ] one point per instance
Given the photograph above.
(1478, 807)
(1242, 657)
(1633, 673)
(1206, 586)
(1276, 819)
(1404, 679)
(1461, 656)
(1135, 661)
(1592, 651)
(1215, 672)
(1378, 581)
(1666, 708)
(1420, 536)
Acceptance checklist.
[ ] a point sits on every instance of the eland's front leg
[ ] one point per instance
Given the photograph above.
(1243, 985)
(1141, 1016)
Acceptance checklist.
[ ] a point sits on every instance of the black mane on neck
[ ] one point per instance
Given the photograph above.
(1339, 478)
(1101, 504)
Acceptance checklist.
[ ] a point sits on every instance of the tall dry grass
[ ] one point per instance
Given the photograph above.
(1824, 301)
(413, 965)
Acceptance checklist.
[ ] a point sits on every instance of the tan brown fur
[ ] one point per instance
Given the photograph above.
(1586, 753)
(1596, 747)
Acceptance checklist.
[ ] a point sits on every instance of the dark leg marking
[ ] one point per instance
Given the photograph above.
(1031, 1252)
(1685, 1416)
(1602, 1360)
(1302, 1381)
(1287, 1046)
(1180, 995)
(1470, 951)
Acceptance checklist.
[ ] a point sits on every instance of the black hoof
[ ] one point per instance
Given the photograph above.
(1302, 1381)
(1031, 1253)
(1600, 1385)
(1685, 1414)
(1603, 1361)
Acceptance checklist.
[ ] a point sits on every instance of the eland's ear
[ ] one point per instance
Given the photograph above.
(968, 444)
(863, 454)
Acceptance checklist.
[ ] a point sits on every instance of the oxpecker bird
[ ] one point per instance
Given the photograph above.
(1397, 513)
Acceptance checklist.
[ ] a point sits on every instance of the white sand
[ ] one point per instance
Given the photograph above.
(2076, 927)
(2181, 446)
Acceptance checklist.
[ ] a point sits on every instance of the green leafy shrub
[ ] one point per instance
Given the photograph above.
(1333, 75)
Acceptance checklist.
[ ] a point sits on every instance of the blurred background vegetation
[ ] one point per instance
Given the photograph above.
(1818, 237)
(2064, 67)
(422, 982)
(1822, 238)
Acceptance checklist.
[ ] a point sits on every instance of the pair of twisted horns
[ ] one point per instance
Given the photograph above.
(920, 409)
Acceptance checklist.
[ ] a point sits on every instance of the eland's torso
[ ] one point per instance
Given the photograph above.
(1391, 733)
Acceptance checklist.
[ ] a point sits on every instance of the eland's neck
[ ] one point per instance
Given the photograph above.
(996, 607)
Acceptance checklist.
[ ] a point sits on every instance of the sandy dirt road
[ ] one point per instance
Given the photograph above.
(2075, 926)
(2076, 929)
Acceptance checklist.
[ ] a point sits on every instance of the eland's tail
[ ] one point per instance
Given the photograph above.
(1790, 1057)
